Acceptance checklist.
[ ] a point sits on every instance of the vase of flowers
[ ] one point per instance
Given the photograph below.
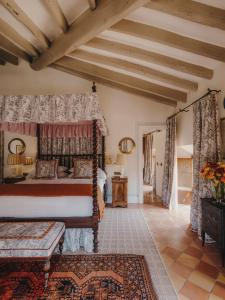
(215, 172)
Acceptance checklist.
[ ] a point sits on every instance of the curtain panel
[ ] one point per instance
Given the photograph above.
(148, 159)
(169, 163)
(206, 147)
(52, 109)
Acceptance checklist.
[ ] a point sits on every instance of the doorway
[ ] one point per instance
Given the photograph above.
(151, 149)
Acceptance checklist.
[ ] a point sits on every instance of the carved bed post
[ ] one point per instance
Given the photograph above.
(95, 183)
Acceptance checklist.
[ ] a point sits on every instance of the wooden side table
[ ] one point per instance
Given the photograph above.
(119, 191)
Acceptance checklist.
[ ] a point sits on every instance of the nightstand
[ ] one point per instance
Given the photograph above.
(119, 191)
(11, 180)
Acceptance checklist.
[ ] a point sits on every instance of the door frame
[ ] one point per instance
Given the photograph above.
(139, 132)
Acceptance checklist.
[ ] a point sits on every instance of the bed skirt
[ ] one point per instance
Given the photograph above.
(77, 239)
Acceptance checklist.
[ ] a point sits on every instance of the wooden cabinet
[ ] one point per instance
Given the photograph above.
(119, 191)
(213, 222)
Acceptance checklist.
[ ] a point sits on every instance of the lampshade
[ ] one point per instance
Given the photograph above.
(15, 159)
(120, 159)
(28, 161)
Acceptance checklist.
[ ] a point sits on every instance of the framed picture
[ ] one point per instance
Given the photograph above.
(222, 127)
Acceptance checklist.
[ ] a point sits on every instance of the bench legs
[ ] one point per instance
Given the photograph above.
(46, 271)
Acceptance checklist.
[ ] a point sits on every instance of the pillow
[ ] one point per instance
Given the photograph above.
(62, 174)
(62, 169)
(46, 168)
(82, 168)
(101, 174)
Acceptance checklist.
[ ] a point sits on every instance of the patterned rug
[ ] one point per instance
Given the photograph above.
(83, 277)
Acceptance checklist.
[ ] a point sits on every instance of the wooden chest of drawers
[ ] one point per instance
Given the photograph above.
(213, 222)
(119, 191)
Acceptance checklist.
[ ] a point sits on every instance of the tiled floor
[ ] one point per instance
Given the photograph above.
(196, 272)
(124, 230)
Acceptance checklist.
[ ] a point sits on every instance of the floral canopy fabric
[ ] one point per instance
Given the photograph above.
(52, 109)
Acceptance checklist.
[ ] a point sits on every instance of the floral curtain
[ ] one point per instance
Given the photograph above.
(52, 109)
(1, 156)
(148, 159)
(169, 164)
(207, 147)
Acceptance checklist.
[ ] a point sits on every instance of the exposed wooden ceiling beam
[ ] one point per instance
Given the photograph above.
(2, 61)
(20, 15)
(92, 4)
(88, 25)
(12, 59)
(152, 57)
(117, 85)
(170, 39)
(57, 13)
(134, 68)
(15, 50)
(140, 84)
(191, 10)
(13, 35)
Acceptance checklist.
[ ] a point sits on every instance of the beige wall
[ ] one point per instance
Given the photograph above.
(123, 111)
(185, 120)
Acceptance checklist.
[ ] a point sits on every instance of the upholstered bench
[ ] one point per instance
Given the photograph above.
(34, 241)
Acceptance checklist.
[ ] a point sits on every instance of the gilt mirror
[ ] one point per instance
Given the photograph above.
(127, 145)
(16, 146)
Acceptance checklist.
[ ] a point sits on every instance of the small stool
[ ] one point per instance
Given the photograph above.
(32, 241)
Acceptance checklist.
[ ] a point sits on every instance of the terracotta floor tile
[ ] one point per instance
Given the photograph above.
(208, 269)
(194, 252)
(193, 292)
(180, 269)
(214, 297)
(182, 297)
(167, 260)
(221, 278)
(178, 280)
(173, 253)
(219, 290)
(188, 260)
(202, 280)
(177, 245)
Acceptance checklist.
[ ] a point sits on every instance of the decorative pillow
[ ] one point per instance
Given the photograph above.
(62, 169)
(82, 168)
(62, 175)
(46, 168)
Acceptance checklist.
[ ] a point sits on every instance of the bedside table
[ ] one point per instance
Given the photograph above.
(119, 191)
(11, 180)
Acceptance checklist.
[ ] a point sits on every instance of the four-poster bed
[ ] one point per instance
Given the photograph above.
(77, 202)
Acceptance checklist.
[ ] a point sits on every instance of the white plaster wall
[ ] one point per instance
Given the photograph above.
(123, 111)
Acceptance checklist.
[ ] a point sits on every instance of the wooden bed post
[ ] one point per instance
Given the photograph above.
(95, 183)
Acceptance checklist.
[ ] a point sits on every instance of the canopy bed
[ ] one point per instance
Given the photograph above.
(70, 131)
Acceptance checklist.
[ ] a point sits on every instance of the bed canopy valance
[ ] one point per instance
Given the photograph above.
(60, 109)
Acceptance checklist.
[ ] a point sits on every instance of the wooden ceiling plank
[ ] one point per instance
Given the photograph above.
(57, 13)
(117, 85)
(152, 57)
(192, 11)
(128, 80)
(86, 27)
(20, 15)
(13, 35)
(12, 48)
(135, 68)
(12, 59)
(2, 61)
(170, 39)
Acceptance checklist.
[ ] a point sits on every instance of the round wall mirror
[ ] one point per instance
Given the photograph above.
(127, 145)
(16, 146)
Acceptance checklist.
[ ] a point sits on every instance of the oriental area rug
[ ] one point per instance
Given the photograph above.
(79, 277)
